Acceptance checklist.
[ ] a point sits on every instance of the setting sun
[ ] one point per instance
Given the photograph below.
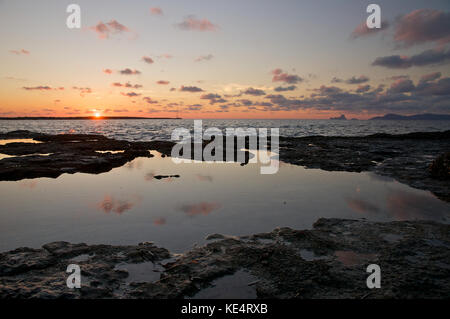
(97, 115)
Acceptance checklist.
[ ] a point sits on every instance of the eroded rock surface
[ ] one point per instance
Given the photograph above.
(328, 261)
(406, 158)
(69, 153)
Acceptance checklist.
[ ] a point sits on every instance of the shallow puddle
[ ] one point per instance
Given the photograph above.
(18, 140)
(142, 272)
(239, 285)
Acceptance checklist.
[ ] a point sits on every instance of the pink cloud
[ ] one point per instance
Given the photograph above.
(204, 58)
(362, 30)
(162, 82)
(194, 24)
(280, 76)
(147, 59)
(159, 221)
(423, 25)
(105, 30)
(166, 56)
(19, 52)
(156, 11)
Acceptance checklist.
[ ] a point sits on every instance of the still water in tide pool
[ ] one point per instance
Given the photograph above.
(129, 205)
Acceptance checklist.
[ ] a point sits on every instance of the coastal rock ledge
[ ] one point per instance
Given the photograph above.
(328, 261)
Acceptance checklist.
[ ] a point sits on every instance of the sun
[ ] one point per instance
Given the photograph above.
(97, 115)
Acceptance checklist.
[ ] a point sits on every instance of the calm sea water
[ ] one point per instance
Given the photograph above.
(145, 130)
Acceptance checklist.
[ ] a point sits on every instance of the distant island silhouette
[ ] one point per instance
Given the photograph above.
(89, 118)
(342, 117)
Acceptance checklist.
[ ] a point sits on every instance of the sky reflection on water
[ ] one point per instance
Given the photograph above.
(128, 206)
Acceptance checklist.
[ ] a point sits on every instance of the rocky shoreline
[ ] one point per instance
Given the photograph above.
(328, 261)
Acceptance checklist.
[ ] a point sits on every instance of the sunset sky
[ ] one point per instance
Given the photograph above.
(224, 59)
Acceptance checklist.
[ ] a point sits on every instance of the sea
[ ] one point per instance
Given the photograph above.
(156, 129)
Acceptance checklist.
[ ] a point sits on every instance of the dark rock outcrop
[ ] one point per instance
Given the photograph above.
(328, 261)
(440, 168)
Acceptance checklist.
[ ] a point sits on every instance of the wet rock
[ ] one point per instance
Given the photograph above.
(440, 168)
(165, 176)
(414, 265)
(72, 153)
(41, 273)
(69, 153)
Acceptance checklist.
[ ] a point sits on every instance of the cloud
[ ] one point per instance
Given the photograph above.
(128, 71)
(191, 89)
(336, 80)
(159, 221)
(402, 86)
(421, 26)
(165, 56)
(162, 82)
(398, 77)
(280, 76)
(38, 88)
(147, 59)
(363, 31)
(254, 92)
(204, 58)
(127, 85)
(130, 94)
(105, 30)
(363, 88)
(355, 80)
(403, 97)
(428, 57)
(156, 11)
(287, 88)
(213, 98)
(149, 100)
(107, 71)
(19, 52)
(194, 24)
(194, 107)
(430, 77)
(83, 90)
(438, 88)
